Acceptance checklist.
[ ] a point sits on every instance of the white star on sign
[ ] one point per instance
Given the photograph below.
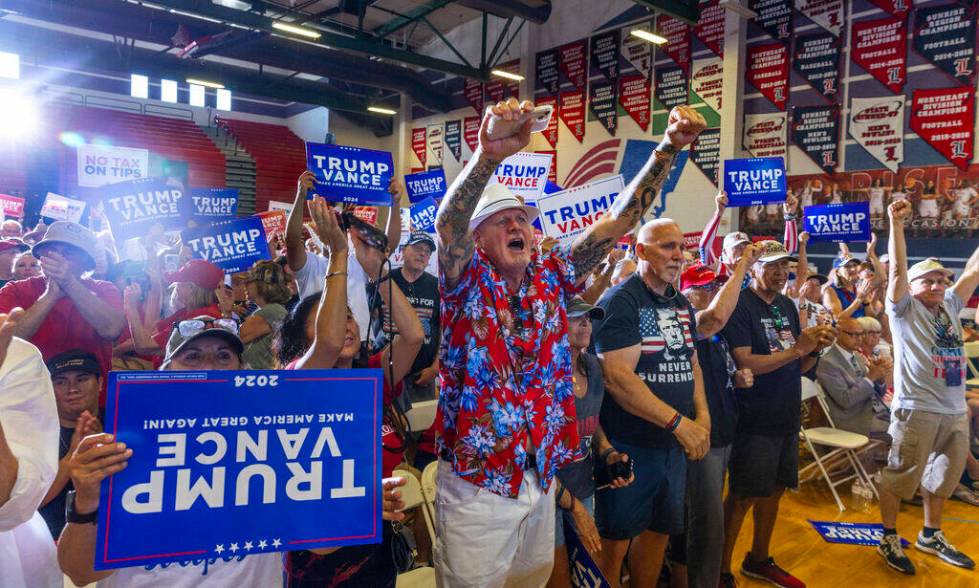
(233, 548)
(248, 545)
(262, 544)
(219, 549)
(276, 543)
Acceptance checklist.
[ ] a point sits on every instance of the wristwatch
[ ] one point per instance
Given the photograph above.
(72, 516)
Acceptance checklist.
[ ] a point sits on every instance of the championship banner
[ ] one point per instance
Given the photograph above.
(565, 215)
(605, 54)
(946, 36)
(868, 534)
(768, 71)
(634, 98)
(133, 208)
(572, 112)
(453, 138)
(877, 124)
(551, 172)
(470, 131)
(585, 573)
(233, 246)
(880, 48)
(550, 133)
(603, 101)
(896, 7)
(765, 135)
(351, 174)
(63, 208)
(774, 16)
(826, 13)
(707, 81)
(419, 145)
(705, 152)
(573, 63)
(838, 223)
(99, 165)
(511, 88)
(473, 91)
(423, 215)
(495, 90)
(12, 206)
(817, 59)
(199, 441)
(670, 89)
(637, 52)
(816, 130)
(273, 222)
(524, 174)
(430, 184)
(710, 26)
(945, 119)
(548, 75)
(207, 205)
(677, 34)
(757, 180)
(433, 144)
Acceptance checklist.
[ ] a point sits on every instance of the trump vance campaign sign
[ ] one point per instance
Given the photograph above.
(839, 223)
(236, 463)
(565, 215)
(212, 204)
(756, 180)
(524, 174)
(136, 206)
(351, 174)
(232, 246)
(424, 184)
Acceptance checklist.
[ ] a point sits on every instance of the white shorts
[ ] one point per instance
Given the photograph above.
(877, 205)
(928, 208)
(963, 210)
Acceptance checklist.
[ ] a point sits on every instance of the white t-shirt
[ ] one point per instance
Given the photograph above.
(963, 196)
(309, 280)
(263, 570)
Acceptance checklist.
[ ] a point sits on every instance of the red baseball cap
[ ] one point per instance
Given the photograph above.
(202, 274)
(8, 244)
(698, 275)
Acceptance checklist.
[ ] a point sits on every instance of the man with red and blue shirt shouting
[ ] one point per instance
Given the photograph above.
(506, 410)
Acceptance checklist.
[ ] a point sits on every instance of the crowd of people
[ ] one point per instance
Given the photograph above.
(581, 386)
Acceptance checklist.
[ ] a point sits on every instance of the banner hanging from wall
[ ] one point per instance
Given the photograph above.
(234, 246)
(565, 215)
(207, 205)
(879, 46)
(99, 165)
(453, 138)
(817, 59)
(473, 91)
(637, 52)
(605, 54)
(572, 112)
(434, 144)
(710, 26)
(524, 174)
(946, 36)
(634, 98)
(898, 8)
(603, 100)
(705, 153)
(430, 184)
(670, 89)
(707, 81)
(12, 206)
(767, 69)
(945, 119)
(548, 73)
(419, 145)
(573, 63)
(133, 208)
(877, 124)
(351, 174)
(838, 223)
(550, 133)
(816, 130)
(470, 131)
(826, 13)
(677, 34)
(775, 17)
(551, 171)
(765, 135)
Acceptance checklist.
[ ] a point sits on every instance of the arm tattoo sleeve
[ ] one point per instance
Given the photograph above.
(456, 244)
(588, 250)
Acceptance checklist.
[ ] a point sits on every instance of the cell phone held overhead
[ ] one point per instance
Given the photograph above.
(501, 129)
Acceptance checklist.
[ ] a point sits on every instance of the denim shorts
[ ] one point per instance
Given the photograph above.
(565, 515)
(653, 502)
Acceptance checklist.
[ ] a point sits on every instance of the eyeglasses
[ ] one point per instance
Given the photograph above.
(191, 327)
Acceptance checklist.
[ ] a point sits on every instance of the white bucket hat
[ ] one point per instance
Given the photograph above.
(496, 198)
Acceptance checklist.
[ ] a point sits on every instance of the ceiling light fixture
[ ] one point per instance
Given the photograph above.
(508, 75)
(205, 83)
(296, 30)
(235, 4)
(381, 110)
(648, 36)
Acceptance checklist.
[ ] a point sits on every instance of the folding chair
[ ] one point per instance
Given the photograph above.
(972, 358)
(844, 446)
(428, 491)
(411, 494)
(422, 415)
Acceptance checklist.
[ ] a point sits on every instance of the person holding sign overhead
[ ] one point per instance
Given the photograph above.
(505, 357)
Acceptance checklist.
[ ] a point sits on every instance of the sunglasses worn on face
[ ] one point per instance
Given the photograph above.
(191, 327)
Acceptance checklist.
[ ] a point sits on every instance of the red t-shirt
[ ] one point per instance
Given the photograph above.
(64, 328)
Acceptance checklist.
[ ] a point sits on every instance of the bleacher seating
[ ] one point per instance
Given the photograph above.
(280, 156)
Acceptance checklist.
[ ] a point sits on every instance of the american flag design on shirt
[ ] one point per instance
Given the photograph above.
(662, 328)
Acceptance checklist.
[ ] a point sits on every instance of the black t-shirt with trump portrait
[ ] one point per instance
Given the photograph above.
(664, 327)
(772, 405)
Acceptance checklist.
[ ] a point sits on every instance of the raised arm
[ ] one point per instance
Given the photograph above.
(706, 247)
(966, 285)
(295, 245)
(790, 210)
(802, 268)
(713, 318)
(455, 241)
(593, 245)
(393, 231)
(897, 287)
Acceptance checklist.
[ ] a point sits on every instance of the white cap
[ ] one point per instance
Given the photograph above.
(497, 198)
(732, 240)
(927, 266)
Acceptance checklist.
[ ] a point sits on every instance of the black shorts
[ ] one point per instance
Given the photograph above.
(760, 464)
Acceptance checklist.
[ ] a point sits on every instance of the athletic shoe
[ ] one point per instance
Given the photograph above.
(769, 572)
(727, 581)
(890, 549)
(965, 494)
(939, 545)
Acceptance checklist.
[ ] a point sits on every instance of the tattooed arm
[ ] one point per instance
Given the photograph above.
(594, 244)
(455, 240)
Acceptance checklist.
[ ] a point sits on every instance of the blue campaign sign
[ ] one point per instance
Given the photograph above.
(229, 463)
(232, 246)
(585, 573)
(424, 184)
(423, 215)
(134, 207)
(207, 205)
(839, 223)
(755, 180)
(851, 533)
(351, 174)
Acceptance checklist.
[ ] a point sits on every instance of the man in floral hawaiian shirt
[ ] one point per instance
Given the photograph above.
(506, 410)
